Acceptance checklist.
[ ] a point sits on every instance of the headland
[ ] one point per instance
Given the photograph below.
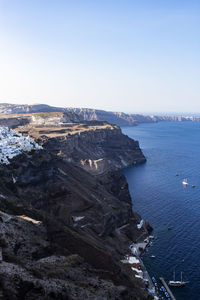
(66, 213)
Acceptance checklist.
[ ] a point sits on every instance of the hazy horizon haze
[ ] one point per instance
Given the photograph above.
(114, 55)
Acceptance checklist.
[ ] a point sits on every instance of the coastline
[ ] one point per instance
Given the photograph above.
(142, 184)
(135, 260)
(138, 249)
(138, 267)
(99, 222)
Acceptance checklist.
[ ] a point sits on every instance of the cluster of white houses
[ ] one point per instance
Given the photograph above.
(13, 144)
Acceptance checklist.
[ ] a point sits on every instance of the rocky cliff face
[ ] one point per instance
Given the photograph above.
(63, 230)
(123, 119)
(94, 148)
(40, 119)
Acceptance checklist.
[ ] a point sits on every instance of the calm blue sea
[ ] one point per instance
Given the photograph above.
(159, 196)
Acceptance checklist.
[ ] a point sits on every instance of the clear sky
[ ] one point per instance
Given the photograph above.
(121, 55)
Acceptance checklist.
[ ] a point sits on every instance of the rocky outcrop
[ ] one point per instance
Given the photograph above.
(63, 230)
(40, 119)
(54, 119)
(119, 118)
(94, 148)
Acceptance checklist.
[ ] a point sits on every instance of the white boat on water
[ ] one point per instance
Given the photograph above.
(177, 283)
(184, 182)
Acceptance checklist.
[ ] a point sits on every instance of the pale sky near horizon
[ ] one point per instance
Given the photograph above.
(131, 56)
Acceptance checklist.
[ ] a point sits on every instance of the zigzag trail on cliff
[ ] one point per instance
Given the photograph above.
(86, 223)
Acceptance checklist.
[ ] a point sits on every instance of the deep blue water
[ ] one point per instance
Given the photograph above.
(159, 196)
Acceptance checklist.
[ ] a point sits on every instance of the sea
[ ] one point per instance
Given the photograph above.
(159, 196)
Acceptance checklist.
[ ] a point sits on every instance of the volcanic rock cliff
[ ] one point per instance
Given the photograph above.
(95, 148)
(67, 219)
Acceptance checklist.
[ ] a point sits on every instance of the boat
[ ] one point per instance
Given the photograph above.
(162, 289)
(177, 283)
(193, 186)
(170, 227)
(153, 279)
(166, 294)
(152, 256)
(184, 182)
(177, 174)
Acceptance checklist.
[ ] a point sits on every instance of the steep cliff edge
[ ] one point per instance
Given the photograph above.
(75, 228)
(96, 148)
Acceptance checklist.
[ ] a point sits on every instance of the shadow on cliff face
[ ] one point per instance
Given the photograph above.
(57, 192)
(81, 214)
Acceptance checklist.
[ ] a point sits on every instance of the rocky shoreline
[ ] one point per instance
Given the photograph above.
(67, 218)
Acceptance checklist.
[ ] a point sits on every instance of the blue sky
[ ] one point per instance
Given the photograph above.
(132, 56)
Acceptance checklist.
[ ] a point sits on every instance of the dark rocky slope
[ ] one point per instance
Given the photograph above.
(85, 223)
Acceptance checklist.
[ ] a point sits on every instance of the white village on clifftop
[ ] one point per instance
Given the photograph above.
(13, 144)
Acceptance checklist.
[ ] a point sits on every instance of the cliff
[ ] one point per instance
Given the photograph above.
(40, 119)
(123, 119)
(94, 146)
(63, 230)
(118, 118)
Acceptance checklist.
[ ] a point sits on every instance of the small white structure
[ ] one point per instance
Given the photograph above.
(139, 226)
(76, 219)
(132, 260)
(13, 144)
(139, 272)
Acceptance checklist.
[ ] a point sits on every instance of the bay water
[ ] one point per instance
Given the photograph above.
(159, 196)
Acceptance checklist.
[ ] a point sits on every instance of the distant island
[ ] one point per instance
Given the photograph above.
(89, 114)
